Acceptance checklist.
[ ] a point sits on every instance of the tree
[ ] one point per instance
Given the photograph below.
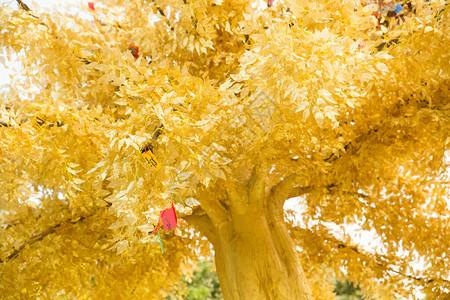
(345, 290)
(243, 107)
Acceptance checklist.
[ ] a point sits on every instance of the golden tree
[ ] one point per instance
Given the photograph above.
(242, 106)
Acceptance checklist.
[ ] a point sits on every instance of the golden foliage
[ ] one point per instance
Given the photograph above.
(234, 86)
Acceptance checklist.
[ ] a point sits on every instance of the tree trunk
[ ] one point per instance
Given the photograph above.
(256, 259)
(255, 256)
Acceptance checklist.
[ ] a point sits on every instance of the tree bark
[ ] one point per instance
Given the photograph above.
(254, 254)
(256, 259)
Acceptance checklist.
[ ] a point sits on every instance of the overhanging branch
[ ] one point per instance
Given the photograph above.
(215, 210)
(40, 236)
(287, 188)
(200, 221)
(41, 122)
(23, 5)
(341, 245)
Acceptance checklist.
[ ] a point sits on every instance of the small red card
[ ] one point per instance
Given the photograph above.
(134, 51)
(169, 218)
(91, 5)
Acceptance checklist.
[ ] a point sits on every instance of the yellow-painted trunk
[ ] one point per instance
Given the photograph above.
(256, 259)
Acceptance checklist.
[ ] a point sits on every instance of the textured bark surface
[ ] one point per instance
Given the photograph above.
(254, 254)
(256, 259)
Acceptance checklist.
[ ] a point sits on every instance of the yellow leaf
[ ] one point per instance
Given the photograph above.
(72, 171)
(428, 29)
(121, 247)
(184, 175)
(146, 228)
(306, 114)
(78, 181)
(302, 106)
(319, 118)
(382, 67)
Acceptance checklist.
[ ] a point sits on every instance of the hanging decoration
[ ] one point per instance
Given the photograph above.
(169, 221)
(134, 51)
(91, 5)
(169, 218)
(398, 8)
(147, 152)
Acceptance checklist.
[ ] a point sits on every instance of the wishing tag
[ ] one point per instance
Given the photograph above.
(151, 159)
(134, 51)
(91, 5)
(169, 218)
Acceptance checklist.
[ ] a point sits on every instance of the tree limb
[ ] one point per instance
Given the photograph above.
(34, 239)
(332, 186)
(215, 210)
(341, 245)
(285, 189)
(40, 236)
(39, 121)
(200, 220)
(27, 9)
(161, 12)
(256, 186)
(23, 5)
(237, 198)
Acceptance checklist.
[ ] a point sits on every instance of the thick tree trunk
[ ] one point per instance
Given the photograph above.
(254, 254)
(256, 259)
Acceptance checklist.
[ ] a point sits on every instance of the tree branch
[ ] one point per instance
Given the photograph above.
(200, 221)
(40, 236)
(285, 189)
(27, 9)
(256, 186)
(341, 245)
(34, 239)
(23, 5)
(39, 121)
(215, 210)
(237, 198)
(161, 12)
(333, 157)
(299, 191)
(332, 186)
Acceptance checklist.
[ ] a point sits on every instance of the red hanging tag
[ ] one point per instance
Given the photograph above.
(169, 218)
(134, 51)
(91, 5)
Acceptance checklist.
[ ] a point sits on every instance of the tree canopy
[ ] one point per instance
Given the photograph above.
(243, 106)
